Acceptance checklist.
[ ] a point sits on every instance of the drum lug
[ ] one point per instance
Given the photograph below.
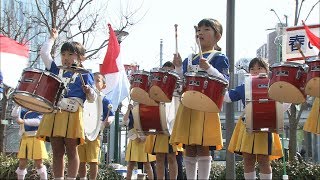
(205, 84)
(298, 75)
(164, 80)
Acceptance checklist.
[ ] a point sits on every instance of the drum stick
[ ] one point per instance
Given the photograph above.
(176, 36)
(198, 41)
(298, 45)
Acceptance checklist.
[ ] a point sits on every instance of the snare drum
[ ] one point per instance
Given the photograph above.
(162, 84)
(139, 88)
(155, 119)
(203, 92)
(287, 82)
(261, 112)
(38, 90)
(313, 78)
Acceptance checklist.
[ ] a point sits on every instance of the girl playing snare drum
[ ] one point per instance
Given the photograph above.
(200, 131)
(64, 128)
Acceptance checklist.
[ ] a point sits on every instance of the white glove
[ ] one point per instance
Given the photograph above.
(16, 111)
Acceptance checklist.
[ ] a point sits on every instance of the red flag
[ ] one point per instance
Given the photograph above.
(109, 63)
(314, 40)
(13, 59)
(118, 85)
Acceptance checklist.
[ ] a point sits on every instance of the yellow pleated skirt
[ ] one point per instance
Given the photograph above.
(32, 148)
(159, 144)
(136, 152)
(312, 123)
(193, 127)
(263, 143)
(62, 124)
(89, 151)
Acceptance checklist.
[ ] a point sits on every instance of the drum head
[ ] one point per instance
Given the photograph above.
(32, 102)
(92, 118)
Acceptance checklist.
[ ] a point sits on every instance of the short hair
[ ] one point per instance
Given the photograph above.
(103, 78)
(215, 25)
(260, 61)
(73, 47)
(168, 64)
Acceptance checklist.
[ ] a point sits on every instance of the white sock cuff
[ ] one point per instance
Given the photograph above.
(265, 176)
(204, 158)
(43, 169)
(59, 178)
(21, 171)
(190, 159)
(250, 175)
(70, 178)
(83, 178)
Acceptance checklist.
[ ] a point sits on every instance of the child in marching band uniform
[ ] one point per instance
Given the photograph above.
(256, 146)
(89, 152)
(159, 144)
(200, 131)
(135, 151)
(312, 123)
(64, 128)
(30, 146)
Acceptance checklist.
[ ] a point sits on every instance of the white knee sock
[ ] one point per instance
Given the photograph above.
(59, 178)
(191, 167)
(21, 173)
(83, 178)
(265, 176)
(204, 167)
(43, 172)
(250, 175)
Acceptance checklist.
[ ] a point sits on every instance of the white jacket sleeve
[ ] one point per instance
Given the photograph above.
(214, 72)
(32, 122)
(227, 97)
(45, 53)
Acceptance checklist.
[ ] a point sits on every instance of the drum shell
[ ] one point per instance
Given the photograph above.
(209, 86)
(262, 113)
(288, 73)
(140, 79)
(313, 78)
(165, 81)
(42, 86)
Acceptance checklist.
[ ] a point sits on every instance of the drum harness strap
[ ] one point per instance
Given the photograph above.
(70, 104)
(196, 68)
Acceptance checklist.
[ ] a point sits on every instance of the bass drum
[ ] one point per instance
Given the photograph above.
(92, 118)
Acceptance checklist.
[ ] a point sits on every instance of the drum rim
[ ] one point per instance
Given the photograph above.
(218, 78)
(172, 72)
(287, 64)
(206, 75)
(198, 74)
(140, 72)
(44, 71)
(40, 98)
(312, 60)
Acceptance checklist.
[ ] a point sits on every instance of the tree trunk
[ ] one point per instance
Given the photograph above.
(293, 121)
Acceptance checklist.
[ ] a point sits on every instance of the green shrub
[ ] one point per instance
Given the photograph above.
(295, 170)
(9, 164)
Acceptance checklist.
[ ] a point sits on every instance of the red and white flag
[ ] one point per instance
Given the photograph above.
(13, 59)
(314, 40)
(118, 85)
